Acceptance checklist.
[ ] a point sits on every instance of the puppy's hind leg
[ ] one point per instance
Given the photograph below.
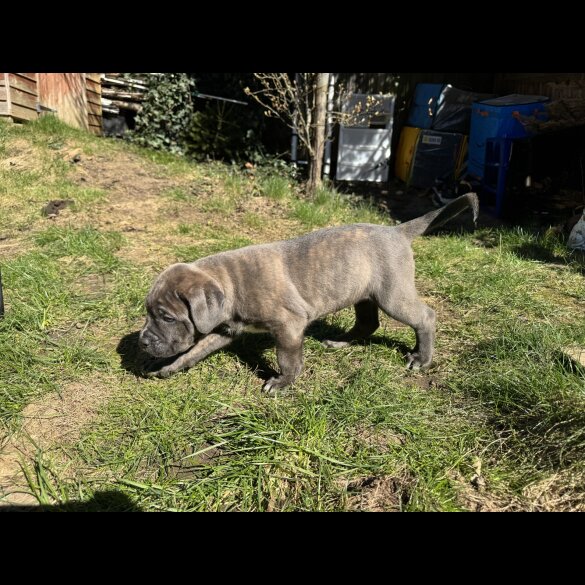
(408, 309)
(366, 322)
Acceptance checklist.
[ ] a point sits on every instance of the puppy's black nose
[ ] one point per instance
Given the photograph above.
(143, 343)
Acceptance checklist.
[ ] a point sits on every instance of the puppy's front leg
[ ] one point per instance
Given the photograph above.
(289, 353)
(200, 350)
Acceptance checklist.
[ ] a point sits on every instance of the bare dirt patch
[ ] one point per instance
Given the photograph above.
(92, 285)
(123, 173)
(9, 246)
(425, 381)
(379, 494)
(133, 202)
(132, 190)
(138, 201)
(384, 493)
(47, 424)
(195, 457)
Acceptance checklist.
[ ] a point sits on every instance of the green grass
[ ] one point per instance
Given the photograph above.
(50, 130)
(190, 253)
(40, 346)
(528, 385)
(178, 194)
(39, 171)
(84, 244)
(496, 423)
(169, 165)
(275, 187)
(329, 208)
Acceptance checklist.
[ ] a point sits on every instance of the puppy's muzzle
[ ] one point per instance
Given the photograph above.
(147, 342)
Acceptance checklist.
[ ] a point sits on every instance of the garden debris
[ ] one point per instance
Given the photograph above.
(477, 481)
(565, 112)
(71, 155)
(122, 99)
(53, 208)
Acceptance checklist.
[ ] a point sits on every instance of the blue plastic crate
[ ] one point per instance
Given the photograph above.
(500, 118)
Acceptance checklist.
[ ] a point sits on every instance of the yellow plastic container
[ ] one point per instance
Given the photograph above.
(462, 156)
(405, 154)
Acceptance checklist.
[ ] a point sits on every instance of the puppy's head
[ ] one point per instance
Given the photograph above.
(183, 305)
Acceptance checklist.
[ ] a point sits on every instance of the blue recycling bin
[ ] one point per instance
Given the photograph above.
(424, 104)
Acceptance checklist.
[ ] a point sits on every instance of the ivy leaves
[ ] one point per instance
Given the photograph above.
(166, 112)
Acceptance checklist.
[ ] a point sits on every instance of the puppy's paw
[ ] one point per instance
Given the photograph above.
(158, 370)
(414, 361)
(332, 344)
(275, 386)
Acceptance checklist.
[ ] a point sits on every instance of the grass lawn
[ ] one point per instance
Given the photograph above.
(497, 423)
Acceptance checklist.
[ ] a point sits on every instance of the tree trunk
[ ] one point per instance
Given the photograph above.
(316, 159)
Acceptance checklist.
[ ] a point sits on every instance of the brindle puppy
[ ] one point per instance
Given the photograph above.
(197, 308)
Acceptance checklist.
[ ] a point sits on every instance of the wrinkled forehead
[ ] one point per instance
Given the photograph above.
(163, 298)
(164, 292)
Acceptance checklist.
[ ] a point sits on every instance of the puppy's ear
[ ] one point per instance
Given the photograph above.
(205, 301)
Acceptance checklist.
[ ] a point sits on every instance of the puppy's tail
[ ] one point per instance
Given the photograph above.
(434, 219)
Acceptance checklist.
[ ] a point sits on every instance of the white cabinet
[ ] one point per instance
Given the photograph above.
(363, 154)
(364, 146)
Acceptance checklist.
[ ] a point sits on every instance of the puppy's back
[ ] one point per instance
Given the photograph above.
(322, 271)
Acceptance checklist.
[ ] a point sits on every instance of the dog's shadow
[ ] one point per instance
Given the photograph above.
(321, 330)
(249, 348)
(102, 501)
(132, 358)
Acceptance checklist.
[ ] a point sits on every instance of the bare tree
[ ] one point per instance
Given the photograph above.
(321, 85)
(301, 103)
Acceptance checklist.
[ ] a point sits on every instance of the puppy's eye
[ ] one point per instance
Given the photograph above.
(168, 319)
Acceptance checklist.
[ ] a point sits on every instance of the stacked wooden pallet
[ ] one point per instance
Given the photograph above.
(121, 92)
